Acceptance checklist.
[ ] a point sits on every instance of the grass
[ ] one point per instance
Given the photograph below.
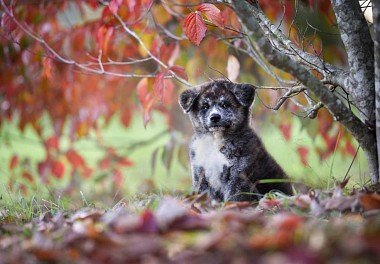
(141, 178)
(29, 222)
(319, 174)
(18, 208)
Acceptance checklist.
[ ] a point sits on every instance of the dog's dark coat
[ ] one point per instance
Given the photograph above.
(227, 157)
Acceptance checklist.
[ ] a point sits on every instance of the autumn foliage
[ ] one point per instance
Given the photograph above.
(276, 229)
(80, 63)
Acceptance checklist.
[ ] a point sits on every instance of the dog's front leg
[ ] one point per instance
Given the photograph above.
(200, 183)
(239, 186)
(239, 189)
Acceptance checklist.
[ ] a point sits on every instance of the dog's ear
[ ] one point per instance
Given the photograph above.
(187, 99)
(244, 93)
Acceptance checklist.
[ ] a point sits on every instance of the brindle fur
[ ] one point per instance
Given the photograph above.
(233, 175)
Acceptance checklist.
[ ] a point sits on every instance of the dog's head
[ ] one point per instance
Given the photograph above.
(218, 106)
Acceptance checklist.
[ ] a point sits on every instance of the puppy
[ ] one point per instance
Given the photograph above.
(227, 157)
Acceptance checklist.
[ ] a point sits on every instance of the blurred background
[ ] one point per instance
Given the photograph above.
(81, 116)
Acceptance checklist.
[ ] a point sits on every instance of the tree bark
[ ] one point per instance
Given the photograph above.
(359, 46)
(358, 43)
(376, 40)
(250, 17)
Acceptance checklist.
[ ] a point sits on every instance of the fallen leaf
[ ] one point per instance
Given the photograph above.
(369, 201)
(148, 223)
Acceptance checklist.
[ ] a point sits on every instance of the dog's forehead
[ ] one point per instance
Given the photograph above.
(217, 91)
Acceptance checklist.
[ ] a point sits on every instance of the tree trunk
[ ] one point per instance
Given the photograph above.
(376, 40)
(357, 40)
(355, 35)
(361, 79)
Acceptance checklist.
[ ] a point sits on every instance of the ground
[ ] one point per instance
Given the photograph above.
(341, 225)
(338, 226)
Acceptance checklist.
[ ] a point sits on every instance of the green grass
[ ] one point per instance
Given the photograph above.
(139, 177)
(18, 208)
(322, 174)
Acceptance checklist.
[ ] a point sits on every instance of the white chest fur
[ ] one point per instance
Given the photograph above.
(208, 156)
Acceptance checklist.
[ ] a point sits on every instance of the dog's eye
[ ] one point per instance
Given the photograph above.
(205, 106)
(225, 104)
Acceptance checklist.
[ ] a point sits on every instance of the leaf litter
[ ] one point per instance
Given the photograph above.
(317, 227)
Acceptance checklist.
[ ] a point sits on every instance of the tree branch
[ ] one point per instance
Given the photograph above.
(285, 45)
(250, 15)
(142, 44)
(86, 66)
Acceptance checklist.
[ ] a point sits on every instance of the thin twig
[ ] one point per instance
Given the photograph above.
(352, 162)
(143, 46)
(57, 56)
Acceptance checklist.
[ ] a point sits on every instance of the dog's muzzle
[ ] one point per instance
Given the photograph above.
(215, 123)
(215, 118)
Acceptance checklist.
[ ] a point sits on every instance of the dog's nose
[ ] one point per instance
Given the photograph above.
(215, 118)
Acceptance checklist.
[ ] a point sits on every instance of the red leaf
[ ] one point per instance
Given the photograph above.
(324, 6)
(286, 221)
(75, 159)
(43, 168)
(325, 122)
(13, 162)
(189, 221)
(94, 4)
(168, 97)
(143, 92)
(131, 4)
(148, 3)
(87, 172)
(289, 11)
(23, 188)
(213, 13)
(269, 203)
(167, 52)
(105, 163)
(7, 23)
(370, 201)
(303, 152)
(350, 149)
(118, 178)
(103, 37)
(286, 130)
(26, 175)
(158, 86)
(331, 145)
(174, 54)
(106, 14)
(148, 222)
(147, 115)
(58, 169)
(52, 143)
(195, 28)
(180, 71)
(126, 116)
(311, 4)
(47, 68)
(124, 162)
(114, 5)
(134, 8)
(146, 99)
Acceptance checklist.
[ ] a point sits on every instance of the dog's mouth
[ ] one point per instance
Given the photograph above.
(217, 128)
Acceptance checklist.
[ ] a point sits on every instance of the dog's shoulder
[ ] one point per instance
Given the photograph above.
(242, 144)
